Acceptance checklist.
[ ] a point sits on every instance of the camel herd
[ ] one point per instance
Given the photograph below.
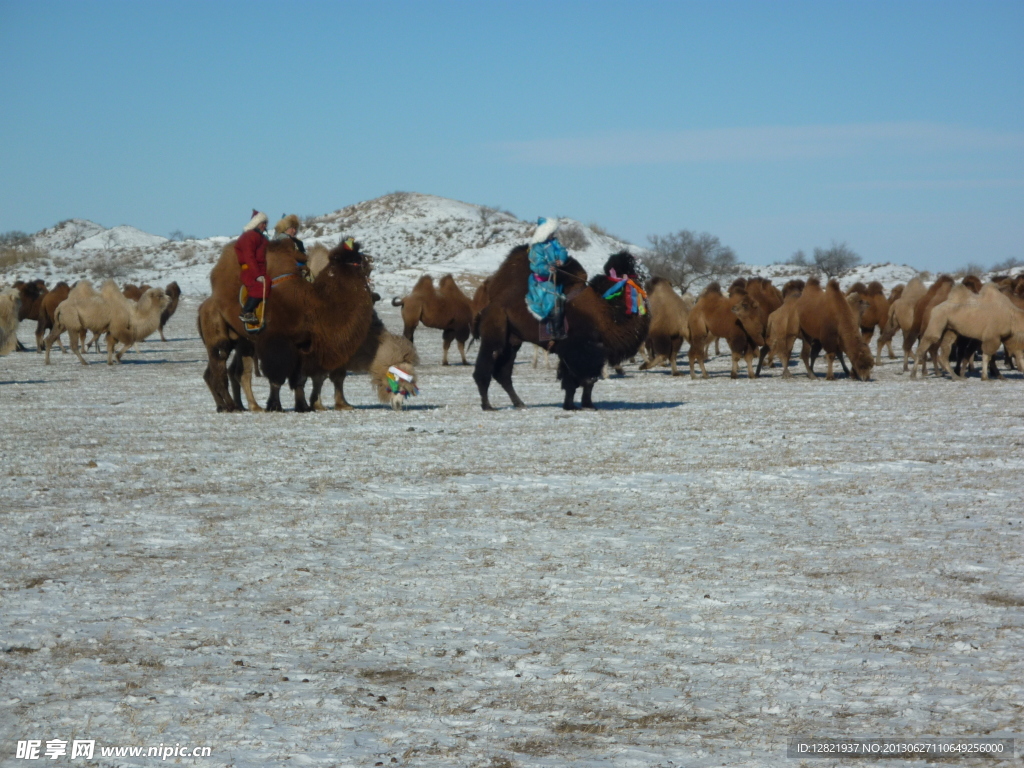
(321, 324)
(125, 316)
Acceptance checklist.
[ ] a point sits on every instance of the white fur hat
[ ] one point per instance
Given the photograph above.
(545, 229)
(257, 219)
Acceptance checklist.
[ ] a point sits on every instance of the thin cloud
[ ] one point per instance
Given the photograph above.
(930, 185)
(758, 144)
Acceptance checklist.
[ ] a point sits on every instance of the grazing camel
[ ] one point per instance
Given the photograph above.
(380, 353)
(82, 311)
(876, 312)
(599, 330)
(735, 319)
(828, 319)
(447, 308)
(670, 314)
(988, 316)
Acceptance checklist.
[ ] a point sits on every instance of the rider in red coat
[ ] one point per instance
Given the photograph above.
(251, 249)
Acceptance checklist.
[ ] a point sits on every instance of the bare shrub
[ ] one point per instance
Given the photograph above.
(835, 260)
(12, 257)
(970, 268)
(573, 237)
(686, 257)
(1007, 265)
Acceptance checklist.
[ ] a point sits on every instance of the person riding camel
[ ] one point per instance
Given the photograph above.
(544, 297)
(288, 227)
(251, 249)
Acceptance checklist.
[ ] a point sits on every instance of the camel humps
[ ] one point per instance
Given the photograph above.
(446, 308)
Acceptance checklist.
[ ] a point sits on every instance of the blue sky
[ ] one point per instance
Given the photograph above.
(896, 127)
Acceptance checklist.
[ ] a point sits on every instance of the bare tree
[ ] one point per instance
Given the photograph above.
(799, 259)
(686, 257)
(836, 260)
(970, 268)
(1008, 264)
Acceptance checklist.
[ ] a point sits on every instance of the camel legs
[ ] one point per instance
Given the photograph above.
(805, 355)
(338, 380)
(503, 373)
(75, 341)
(698, 351)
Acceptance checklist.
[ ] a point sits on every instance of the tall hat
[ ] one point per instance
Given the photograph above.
(545, 229)
(288, 222)
(257, 219)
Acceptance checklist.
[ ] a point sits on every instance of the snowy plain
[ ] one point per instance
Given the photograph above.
(687, 577)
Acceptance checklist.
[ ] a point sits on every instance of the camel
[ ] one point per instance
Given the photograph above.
(86, 310)
(599, 330)
(10, 306)
(447, 308)
(924, 308)
(768, 298)
(827, 318)
(988, 316)
(783, 327)
(47, 310)
(876, 313)
(32, 293)
(380, 353)
(936, 293)
(173, 291)
(222, 331)
(135, 321)
(735, 319)
(319, 325)
(670, 313)
(901, 313)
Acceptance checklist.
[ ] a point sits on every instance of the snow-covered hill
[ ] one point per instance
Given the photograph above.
(408, 234)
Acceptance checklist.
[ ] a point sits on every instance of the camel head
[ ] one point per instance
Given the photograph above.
(623, 264)
(862, 362)
(747, 311)
(348, 253)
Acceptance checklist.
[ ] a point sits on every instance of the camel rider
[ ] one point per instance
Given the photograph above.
(288, 227)
(251, 249)
(544, 297)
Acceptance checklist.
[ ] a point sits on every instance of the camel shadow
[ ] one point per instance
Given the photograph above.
(618, 405)
(35, 381)
(127, 361)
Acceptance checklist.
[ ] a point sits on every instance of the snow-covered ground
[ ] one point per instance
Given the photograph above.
(687, 577)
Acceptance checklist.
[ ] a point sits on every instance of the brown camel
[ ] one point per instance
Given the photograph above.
(936, 294)
(173, 291)
(670, 314)
(599, 330)
(322, 323)
(875, 314)
(222, 331)
(447, 308)
(768, 298)
(33, 293)
(735, 319)
(47, 309)
(901, 311)
(827, 318)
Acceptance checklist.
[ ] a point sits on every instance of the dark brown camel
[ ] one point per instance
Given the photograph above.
(33, 293)
(599, 331)
(47, 308)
